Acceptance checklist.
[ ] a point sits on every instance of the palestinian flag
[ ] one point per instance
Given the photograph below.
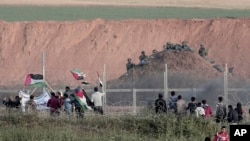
(34, 80)
(99, 79)
(77, 74)
(81, 99)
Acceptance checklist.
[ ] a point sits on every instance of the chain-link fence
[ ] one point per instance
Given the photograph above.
(136, 90)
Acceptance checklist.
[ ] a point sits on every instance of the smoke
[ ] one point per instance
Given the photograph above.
(209, 91)
(199, 87)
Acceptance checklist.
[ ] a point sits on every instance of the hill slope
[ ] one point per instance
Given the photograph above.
(88, 45)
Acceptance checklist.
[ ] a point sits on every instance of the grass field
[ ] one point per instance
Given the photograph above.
(71, 13)
(146, 127)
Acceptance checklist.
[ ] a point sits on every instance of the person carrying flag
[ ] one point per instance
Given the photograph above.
(96, 98)
(80, 102)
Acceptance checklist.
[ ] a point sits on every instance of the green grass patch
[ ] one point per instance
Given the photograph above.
(70, 13)
(106, 128)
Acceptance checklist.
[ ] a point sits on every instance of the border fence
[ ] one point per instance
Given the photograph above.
(134, 103)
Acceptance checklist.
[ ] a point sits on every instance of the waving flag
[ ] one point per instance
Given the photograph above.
(82, 100)
(34, 80)
(100, 81)
(77, 74)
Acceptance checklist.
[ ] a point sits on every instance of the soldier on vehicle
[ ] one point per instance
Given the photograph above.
(155, 54)
(169, 46)
(130, 65)
(185, 47)
(202, 51)
(143, 59)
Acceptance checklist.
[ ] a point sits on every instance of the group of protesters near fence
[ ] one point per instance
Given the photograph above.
(179, 106)
(66, 102)
(70, 103)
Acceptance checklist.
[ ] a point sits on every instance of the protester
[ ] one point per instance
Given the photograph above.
(207, 108)
(222, 135)
(10, 102)
(78, 106)
(240, 111)
(172, 102)
(192, 106)
(181, 105)
(60, 98)
(221, 110)
(30, 106)
(160, 104)
(54, 105)
(67, 104)
(232, 116)
(199, 111)
(71, 96)
(68, 91)
(17, 102)
(96, 98)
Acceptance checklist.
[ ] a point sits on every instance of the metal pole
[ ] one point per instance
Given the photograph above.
(194, 92)
(104, 84)
(166, 82)
(226, 84)
(134, 101)
(43, 67)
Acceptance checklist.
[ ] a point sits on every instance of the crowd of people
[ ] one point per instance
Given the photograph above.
(66, 102)
(202, 109)
(177, 105)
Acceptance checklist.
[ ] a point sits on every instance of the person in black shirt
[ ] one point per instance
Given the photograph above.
(192, 106)
(239, 111)
(160, 104)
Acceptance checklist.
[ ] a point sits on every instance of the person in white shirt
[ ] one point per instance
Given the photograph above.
(96, 98)
(199, 111)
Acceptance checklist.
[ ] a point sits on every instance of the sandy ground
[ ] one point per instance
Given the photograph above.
(228, 4)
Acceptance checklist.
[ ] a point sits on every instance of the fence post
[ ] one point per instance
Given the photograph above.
(194, 92)
(166, 82)
(134, 101)
(104, 85)
(43, 69)
(226, 85)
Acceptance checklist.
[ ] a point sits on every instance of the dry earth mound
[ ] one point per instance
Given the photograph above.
(185, 69)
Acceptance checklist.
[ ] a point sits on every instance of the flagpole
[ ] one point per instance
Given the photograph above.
(47, 84)
(33, 91)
